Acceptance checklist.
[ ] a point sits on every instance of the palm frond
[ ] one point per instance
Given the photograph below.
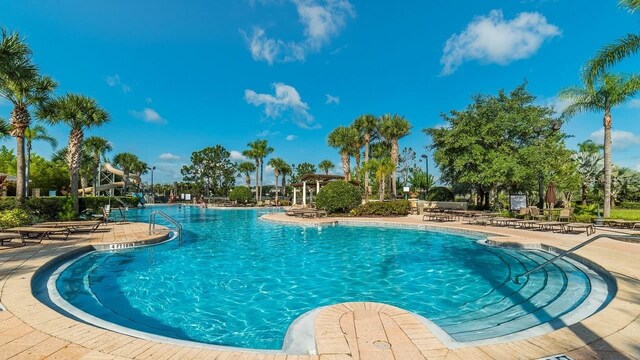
(610, 55)
(631, 5)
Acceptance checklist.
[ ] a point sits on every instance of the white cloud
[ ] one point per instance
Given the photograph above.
(321, 20)
(267, 133)
(114, 81)
(169, 157)
(492, 39)
(291, 137)
(332, 99)
(237, 156)
(287, 100)
(149, 115)
(634, 103)
(620, 140)
(558, 104)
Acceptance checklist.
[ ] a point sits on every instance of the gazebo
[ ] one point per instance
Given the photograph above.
(320, 180)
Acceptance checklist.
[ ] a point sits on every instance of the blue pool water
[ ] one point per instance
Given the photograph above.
(240, 281)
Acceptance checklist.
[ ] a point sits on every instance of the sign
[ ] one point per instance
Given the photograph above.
(52, 193)
(405, 189)
(517, 202)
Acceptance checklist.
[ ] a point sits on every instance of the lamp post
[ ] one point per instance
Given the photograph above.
(426, 168)
(153, 195)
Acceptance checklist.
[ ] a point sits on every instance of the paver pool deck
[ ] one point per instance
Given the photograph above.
(30, 329)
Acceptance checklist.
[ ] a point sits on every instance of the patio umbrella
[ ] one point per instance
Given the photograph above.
(550, 198)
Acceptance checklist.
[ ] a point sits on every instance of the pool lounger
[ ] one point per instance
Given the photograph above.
(551, 225)
(438, 217)
(571, 227)
(38, 233)
(89, 226)
(7, 237)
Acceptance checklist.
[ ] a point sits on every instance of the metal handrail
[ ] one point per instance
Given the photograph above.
(573, 249)
(123, 214)
(152, 223)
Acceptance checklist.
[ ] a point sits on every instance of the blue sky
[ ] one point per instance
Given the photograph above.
(177, 76)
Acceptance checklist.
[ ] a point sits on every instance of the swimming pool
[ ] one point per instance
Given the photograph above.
(240, 281)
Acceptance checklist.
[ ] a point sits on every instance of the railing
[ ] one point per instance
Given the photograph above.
(573, 249)
(152, 224)
(123, 213)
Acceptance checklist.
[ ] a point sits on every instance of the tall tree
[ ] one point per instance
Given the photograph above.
(382, 168)
(259, 150)
(610, 91)
(589, 165)
(252, 154)
(326, 165)
(305, 168)
(613, 53)
(97, 148)
(393, 128)
(23, 87)
(245, 169)
(367, 126)
(277, 164)
(212, 170)
(284, 171)
(35, 133)
(343, 138)
(79, 113)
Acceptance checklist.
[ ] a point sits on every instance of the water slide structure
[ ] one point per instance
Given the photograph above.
(107, 176)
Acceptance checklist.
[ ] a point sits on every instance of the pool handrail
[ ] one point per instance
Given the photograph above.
(573, 249)
(152, 223)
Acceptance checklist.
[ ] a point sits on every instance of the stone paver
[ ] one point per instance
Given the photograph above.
(358, 330)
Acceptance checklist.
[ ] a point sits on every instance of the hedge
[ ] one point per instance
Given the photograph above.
(629, 205)
(60, 207)
(241, 194)
(385, 208)
(338, 197)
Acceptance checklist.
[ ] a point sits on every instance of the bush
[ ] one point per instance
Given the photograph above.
(389, 208)
(440, 193)
(585, 218)
(241, 194)
(284, 202)
(96, 203)
(14, 217)
(61, 207)
(629, 205)
(338, 197)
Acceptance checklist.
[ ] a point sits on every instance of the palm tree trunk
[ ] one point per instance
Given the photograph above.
(584, 194)
(367, 141)
(357, 157)
(607, 162)
(247, 179)
(27, 168)
(73, 157)
(284, 184)
(261, 175)
(96, 175)
(381, 191)
(257, 179)
(394, 157)
(345, 165)
(20, 122)
(276, 175)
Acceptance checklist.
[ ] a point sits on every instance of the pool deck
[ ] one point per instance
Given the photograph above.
(359, 330)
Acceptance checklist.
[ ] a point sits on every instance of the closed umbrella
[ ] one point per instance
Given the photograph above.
(550, 198)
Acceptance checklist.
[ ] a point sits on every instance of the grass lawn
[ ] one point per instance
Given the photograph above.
(625, 214)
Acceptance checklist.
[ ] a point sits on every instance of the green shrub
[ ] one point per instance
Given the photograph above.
(14, 217)
(46, 208)
(284, 202)
(96, 203)
(591, 209)
(584, 218)
(387, 208)
(629, 205)
(440, 193)
(241, 194)
(338, 197)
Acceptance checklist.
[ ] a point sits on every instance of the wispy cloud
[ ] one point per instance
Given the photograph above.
(321, 19)
(115, 81)
(291, 137)
(267, 133)
(620, 140)
(237, 156)
(149, 115)
(492, 39)
(285, 101)
(332, 99)
(633, 103)
(169, 157)
(148, 100)
(558, 104)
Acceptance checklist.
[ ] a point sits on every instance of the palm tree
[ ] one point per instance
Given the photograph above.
(326, 165)
(258, 150)
(80, 113)
(589, 163)
(392, 128)
(284, 171)
(613, 53)
(97, 148)
(382, 168)
(277, 164)
(245, 169)
(367, 125)
(612, 91)
(35, 133)
(343, 138)
(23, 87)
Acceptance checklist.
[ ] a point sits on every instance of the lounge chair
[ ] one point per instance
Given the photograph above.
(73, 226)
(565, 214)
(535, 214)
(527, 224)
(38, 233)
(523, 213)
(438, 217)
(552, 225)
(7, 237)
(579, 227)
(628, 224)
